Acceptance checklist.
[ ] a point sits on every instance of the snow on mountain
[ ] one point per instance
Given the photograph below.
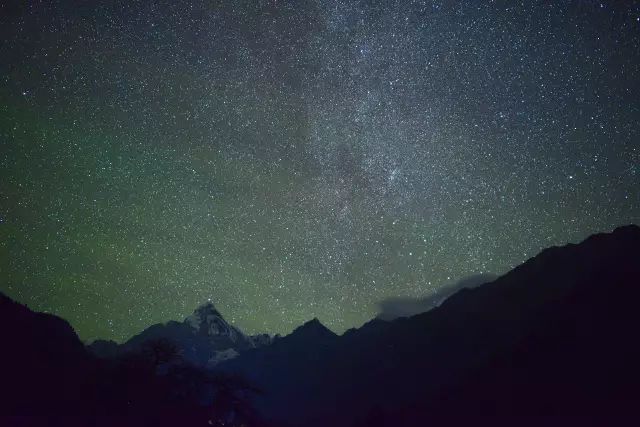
(207, 320)
(204, 338)
(221, 356)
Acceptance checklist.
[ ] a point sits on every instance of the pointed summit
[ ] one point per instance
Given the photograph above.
(313, 328)
(313, 323)
(207, 321)
(206, 309)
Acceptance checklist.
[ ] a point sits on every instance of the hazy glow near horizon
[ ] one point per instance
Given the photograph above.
(290, 162)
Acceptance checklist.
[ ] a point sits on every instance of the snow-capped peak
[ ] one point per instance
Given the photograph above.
(201, 313)
(206, 319)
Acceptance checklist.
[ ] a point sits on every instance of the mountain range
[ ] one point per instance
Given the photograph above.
(553, 336)
(204, 338)
(556, 336)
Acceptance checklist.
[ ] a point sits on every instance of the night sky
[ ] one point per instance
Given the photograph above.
(300, 159)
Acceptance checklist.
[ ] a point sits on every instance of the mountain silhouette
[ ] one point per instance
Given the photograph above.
(204, 338)
(48, 377)
(42, 361)
(394, 307)
(556, 336)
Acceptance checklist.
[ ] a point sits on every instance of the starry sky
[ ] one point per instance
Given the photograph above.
(300, 159)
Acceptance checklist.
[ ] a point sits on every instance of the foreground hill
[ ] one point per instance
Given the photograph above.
(48, 377)
(554, 336)
(42, 362)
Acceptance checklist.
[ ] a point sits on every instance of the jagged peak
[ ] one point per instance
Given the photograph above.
(204, 313)
(315, 322)
(207, 307)
(260, 340)
(313, 325)
(207, 320)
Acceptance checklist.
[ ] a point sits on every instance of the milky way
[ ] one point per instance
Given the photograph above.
(291, 160)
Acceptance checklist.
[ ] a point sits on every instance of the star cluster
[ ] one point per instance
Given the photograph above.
(291, 160)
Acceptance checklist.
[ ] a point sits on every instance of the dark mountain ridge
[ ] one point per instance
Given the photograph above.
(555, 336)
(565, 298)
(204, 338)
(48, 377)
(38, 346)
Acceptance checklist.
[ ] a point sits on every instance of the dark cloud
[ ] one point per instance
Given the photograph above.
(394, 307)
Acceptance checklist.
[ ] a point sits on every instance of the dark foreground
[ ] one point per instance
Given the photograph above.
(553, 340)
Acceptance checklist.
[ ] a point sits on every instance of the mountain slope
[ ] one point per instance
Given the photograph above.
(42, 361)
(47, 377)
(568, 304)
(555, 336)
(204, 338)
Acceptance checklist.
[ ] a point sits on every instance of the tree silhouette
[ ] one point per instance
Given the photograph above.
(232, 401)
